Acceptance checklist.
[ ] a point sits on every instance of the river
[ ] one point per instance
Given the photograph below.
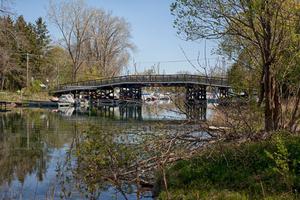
(75, 153)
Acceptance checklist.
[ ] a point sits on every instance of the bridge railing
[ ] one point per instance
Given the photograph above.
(176, 78)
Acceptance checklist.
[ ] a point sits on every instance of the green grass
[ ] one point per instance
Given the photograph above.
(17, 97)
(183, 194)
(269, 170)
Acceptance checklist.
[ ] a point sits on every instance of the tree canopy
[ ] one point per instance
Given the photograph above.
(267, 32)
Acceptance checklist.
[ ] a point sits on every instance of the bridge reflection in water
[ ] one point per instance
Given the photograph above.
(142, 112)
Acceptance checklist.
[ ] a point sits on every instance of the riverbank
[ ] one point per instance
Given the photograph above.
(17, 97)
(263, 170)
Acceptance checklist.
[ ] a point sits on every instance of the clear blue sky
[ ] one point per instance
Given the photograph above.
(152, 31)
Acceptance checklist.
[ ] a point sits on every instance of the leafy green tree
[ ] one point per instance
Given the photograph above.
(42, 34)
(41, 47)
(23, 43)
(259, 26)
(8, 42)
(58, 67)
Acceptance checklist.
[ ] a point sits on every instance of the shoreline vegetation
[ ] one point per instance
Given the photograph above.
(26, 96)
(256, 170)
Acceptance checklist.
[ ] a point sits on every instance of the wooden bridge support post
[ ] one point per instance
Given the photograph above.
(105, 94)
(196, 93)
(97, 96)
(131, 112)
(223, 92)
(132, 93)
(92, 96)
(196, 111)
(106, 111)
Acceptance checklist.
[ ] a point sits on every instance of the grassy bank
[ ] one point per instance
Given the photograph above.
(265, 170)
(18, 97)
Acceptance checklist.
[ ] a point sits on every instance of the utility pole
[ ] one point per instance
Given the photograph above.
(27, 70)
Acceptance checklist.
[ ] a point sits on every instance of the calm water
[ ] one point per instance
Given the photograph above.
(51, 154)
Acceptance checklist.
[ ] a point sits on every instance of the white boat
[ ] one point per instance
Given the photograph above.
(54, 99)
(164, 97)
(149, 97)
(66, 111)
(156, 98)
(66, 100)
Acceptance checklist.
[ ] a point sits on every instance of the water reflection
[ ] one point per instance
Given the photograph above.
(28, 142)
(140, 111)
(83, 153)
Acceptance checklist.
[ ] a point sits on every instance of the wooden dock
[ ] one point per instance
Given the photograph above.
(5, 105)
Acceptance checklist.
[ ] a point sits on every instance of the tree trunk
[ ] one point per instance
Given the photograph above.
(277, 105)
(74, 74)
(295, 111)
(2, 82)
(262, 89)
(269, 126)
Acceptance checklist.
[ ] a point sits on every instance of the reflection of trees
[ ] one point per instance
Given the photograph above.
(124, 155)
(155, 109)
(26, 140)
(103, 158)
(21, 153)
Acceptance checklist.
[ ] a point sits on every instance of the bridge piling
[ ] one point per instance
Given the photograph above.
(106, 111)
(196, 111)
(130, 112)
(196, 93)
(133, 93)
(223, 92)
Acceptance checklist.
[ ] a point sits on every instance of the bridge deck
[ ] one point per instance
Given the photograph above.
(143, 81)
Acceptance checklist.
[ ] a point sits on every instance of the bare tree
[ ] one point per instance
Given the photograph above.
(109, 44)
(93, 38)
(73, 18)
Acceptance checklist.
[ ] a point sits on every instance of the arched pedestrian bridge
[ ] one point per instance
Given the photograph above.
(130, 87)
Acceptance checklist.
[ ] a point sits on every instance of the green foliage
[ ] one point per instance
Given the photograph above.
(35, 86)
(196, 194)
(237, 78)
(22, 43)
(285, 167)
(102, 156)
(58, 67)
(246, 170)
(217, 195)
(262, 37)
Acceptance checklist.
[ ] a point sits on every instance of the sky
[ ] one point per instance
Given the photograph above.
(152, 31)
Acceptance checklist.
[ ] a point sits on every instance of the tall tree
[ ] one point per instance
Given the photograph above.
(260, 25)
(108, 48)
(7, 45)
(73, 18)
(97, 42)
(41, 43)
(42, 34)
